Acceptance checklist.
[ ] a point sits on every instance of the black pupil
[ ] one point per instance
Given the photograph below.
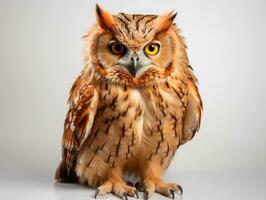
(117, 47)
(151, 48)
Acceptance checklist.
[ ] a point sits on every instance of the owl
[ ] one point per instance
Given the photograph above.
(135, 102)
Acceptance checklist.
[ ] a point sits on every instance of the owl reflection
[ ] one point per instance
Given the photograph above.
(133, 105)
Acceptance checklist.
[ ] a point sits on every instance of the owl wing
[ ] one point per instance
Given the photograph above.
(193, 111)
(83, 101)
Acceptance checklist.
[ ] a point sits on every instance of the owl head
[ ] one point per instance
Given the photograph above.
(134, 50)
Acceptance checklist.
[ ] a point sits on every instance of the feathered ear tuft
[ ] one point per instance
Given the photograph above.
(165, 21)
(104, 18)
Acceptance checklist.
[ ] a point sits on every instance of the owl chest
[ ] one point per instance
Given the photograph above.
(117, 125)
(128, 120)
(120, 110)
(163, 117)
(134, 112)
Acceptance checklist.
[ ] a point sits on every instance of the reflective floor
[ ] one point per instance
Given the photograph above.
(213, 186)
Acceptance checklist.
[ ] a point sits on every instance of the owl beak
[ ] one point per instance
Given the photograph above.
(134, 65)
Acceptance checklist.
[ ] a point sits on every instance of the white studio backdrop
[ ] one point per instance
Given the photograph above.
(41, 55)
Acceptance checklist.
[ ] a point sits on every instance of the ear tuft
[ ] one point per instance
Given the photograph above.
(165, 21)
(104, 18)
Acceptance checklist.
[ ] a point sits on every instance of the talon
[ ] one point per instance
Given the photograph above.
(180, 189)
(124, 196)
(146, 195)
(136, 194)
(96, 193)
(173, 194)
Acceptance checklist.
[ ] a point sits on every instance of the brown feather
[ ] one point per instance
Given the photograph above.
(82, 109)
(104, 18)
(120, 123)
(164, 22)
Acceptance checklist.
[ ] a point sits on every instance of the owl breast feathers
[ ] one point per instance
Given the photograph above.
(134, 103)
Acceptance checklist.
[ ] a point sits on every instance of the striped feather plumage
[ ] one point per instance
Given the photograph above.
(129, 111)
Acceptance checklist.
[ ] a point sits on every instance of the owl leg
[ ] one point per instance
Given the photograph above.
(116, 185)
(152, 182)
(166, 189)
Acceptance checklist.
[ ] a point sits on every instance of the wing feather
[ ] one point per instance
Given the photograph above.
(83, 101)
(192, 118)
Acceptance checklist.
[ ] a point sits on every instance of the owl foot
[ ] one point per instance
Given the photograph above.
(119, 189)
(166, 189)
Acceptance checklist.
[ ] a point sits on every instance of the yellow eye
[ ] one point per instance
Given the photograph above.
(117, 48)
(152, 49)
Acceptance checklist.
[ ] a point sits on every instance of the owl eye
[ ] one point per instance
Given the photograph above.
(117, 48)
(152, 49)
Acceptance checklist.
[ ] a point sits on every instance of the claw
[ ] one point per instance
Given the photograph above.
(146, 195)
(180, 189)
(173, 194)
(124, 197)
(96, 193)
(136, 194)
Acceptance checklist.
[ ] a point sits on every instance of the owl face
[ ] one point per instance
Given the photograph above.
(134, 50)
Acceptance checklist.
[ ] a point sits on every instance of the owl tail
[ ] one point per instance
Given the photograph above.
(63, 175)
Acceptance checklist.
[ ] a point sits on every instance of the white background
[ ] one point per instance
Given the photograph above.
(41, 55)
